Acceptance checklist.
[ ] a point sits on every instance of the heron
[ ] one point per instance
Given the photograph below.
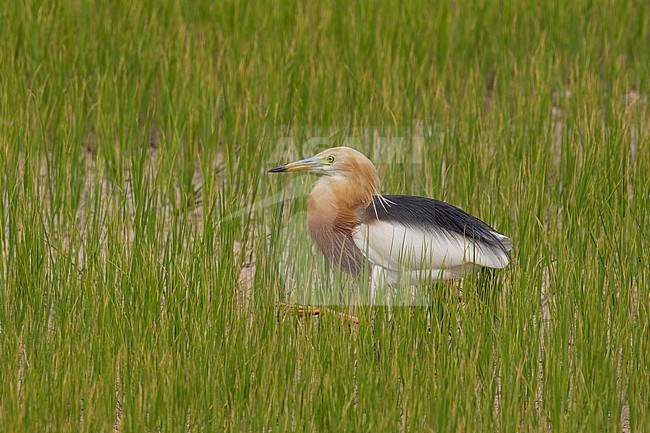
(392, 237)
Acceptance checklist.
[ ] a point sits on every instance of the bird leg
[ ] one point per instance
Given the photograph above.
(309, 310)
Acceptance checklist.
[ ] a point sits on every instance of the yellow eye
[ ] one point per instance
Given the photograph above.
(331, 159)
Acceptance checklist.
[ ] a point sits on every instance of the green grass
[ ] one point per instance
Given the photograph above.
(122, 303)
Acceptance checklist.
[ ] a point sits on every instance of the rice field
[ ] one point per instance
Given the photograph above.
(149, 264)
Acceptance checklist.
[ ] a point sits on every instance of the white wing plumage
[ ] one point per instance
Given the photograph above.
(403, 248)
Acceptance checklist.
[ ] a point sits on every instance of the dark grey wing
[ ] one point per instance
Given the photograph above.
(434, 215)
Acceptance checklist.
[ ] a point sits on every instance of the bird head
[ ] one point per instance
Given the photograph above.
(342, 162)
(347, 173)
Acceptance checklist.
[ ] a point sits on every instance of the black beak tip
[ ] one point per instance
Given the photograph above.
(279, 169)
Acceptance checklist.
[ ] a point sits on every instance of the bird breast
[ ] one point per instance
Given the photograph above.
(331, 229)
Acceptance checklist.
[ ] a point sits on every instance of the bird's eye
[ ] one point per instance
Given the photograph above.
(331, 159)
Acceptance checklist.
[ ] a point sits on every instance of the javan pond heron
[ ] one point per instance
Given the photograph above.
(402, 237)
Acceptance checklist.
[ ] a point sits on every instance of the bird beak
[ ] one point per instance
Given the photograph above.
(309, 164)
